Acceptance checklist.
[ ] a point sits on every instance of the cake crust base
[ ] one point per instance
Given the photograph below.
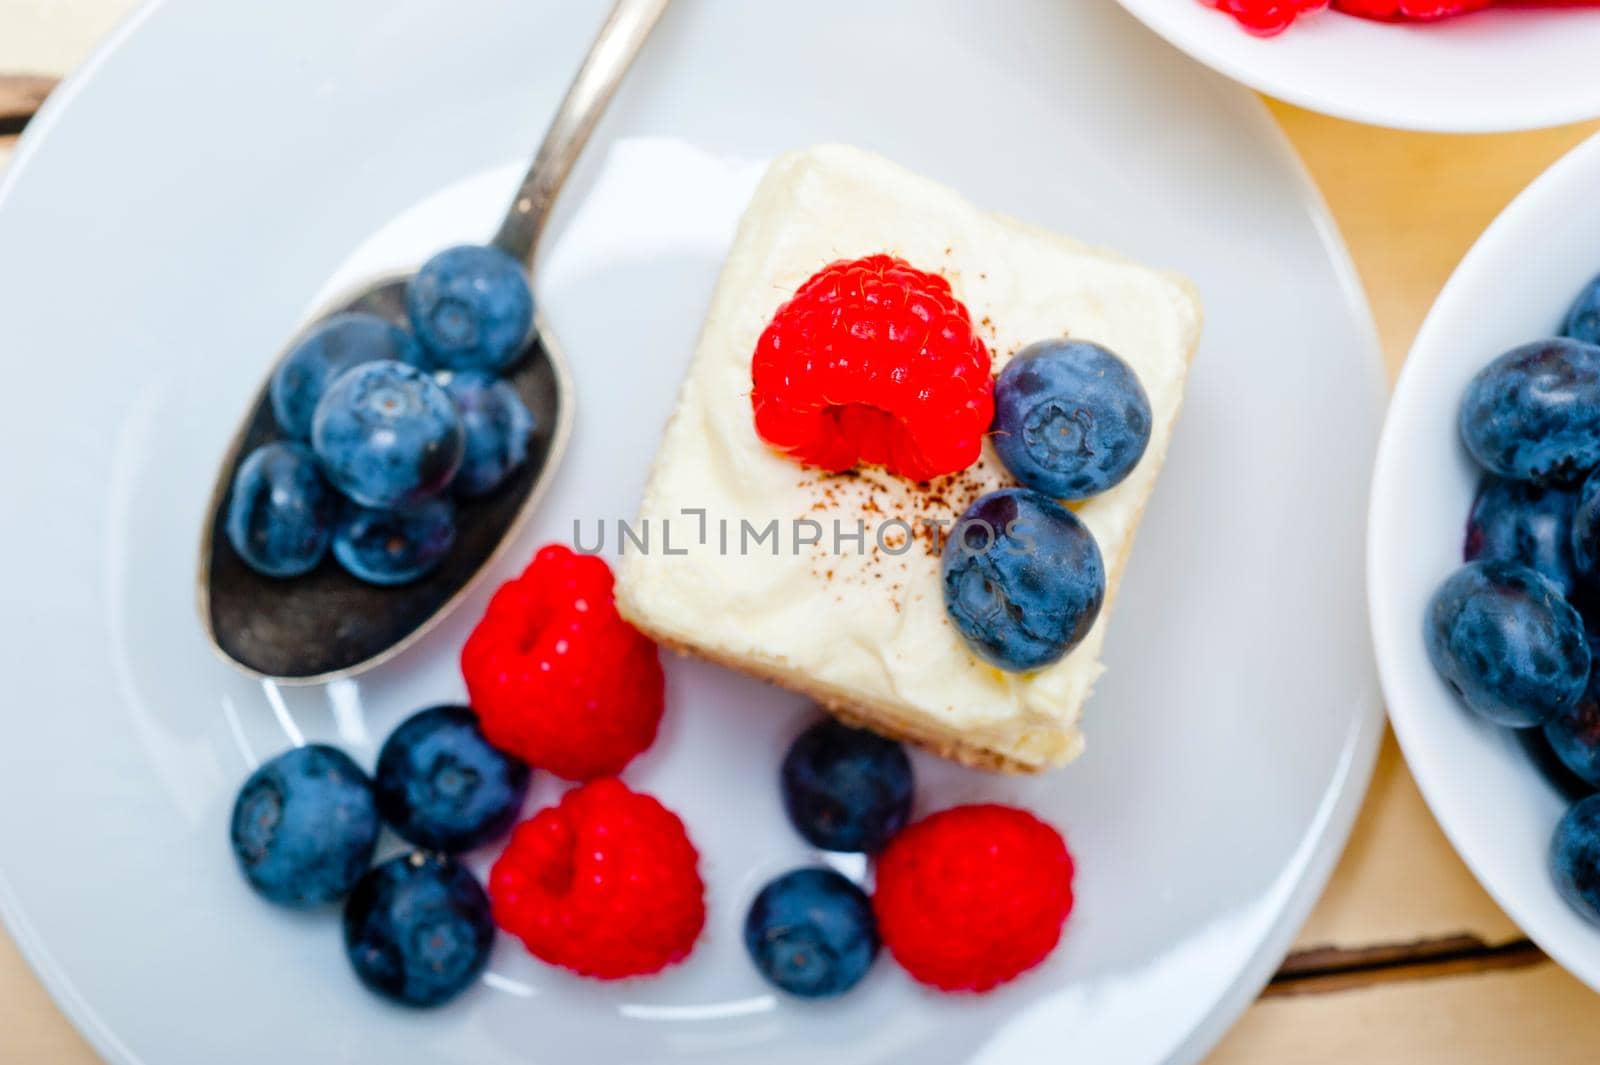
(851, 711)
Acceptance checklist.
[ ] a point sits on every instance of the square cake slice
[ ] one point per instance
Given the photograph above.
(829, 583)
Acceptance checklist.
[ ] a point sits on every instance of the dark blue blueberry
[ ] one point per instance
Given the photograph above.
(417, 929)
(325, 351)
(1585, 533)
(1505, 640)
(846, 789)
(1575, 857)
(1070, 418)
(1574, 735)
(442, 786)
(304, 826)
(1515, 521)
(471, 308)
(387, 435)
(1533, 414)
(1567, 784)
(497, 424)
(1023, 579)
(811, 933)
(1583, 319)
(394, 546)
(280, 511)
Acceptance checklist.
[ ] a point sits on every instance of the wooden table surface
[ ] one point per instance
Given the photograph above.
(1405, 959)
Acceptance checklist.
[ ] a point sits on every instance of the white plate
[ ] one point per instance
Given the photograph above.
(1513, 286)
(1491, 71)
(177, 209)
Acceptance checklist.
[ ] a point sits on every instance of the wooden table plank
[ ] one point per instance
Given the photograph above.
(20, 97)
(1537, 1015)
(1411, 204)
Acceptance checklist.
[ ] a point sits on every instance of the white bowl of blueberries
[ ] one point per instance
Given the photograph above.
(1484, 561)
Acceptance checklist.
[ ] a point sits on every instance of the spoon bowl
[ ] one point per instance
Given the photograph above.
(328, 624)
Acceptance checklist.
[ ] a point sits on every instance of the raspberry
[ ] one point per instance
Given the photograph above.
(874, 361)
(973, 896)
(1267, 18)
(557, 677)
(605, 883)
(1409, 10)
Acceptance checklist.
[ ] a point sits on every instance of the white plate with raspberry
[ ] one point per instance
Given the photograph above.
(1512, 66)
(1228, 743)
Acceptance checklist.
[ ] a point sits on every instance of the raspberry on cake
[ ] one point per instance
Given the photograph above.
(851, 296)
(874, 361)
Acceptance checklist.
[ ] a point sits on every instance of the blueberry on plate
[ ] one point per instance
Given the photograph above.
(1575, 857)
(846, 789)
(471, 308)
(387, 435)
(417, 929)
(1516, 521)
(394, 546)
(497, 425)
(1023, 579)
(442, 786)
(811, 933)
(1583, 319)
(1505, 640)
(280, 510)
(1070, 418)
(304, 826)
(328, 349)
(1533, 414)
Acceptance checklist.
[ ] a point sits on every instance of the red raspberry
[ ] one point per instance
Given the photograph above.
(874, 361)
(605, 884)
(974, 896)
(1267, 18)
(557, 677)
(1409, 10)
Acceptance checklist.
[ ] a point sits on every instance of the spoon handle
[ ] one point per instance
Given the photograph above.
(609, 58)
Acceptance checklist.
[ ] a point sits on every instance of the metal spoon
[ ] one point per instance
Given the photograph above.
(328, 624)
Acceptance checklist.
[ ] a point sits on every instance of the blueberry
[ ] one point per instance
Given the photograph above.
(811, 933)
(1575, 857)
(1023, 579)
(471, 308)
(442, 786)
(1515, 521)
(417, 929)
(280, 511)
(325, 351)
(394, 546)
(497, 424)
(1533, 414)
(1567, 784)
(1585, 533)
(1583, 319)
(387, 435)
(846, 789)
(1505, 640)
(304, 826)
(1070, 418)
(1574, 735)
